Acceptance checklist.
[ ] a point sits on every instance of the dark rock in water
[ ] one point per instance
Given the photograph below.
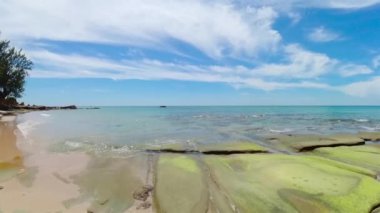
(163, 106)
(144, 205)
(1, 187)
(143, 193)
(69, 107)
(91, 108)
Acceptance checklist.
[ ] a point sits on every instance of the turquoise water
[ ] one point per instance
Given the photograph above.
(133, 126)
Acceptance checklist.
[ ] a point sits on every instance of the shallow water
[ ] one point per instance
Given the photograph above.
(129, 127)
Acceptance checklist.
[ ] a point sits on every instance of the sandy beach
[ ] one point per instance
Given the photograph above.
(33, 179)
(290, 173)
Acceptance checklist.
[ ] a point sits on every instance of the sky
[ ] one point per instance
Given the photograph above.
(197, 52)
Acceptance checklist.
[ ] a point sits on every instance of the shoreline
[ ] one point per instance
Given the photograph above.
(30, 174)
(166, 177)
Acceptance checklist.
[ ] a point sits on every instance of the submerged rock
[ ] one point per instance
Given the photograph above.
(143, 193)
(144, 205)
(109, 183)
(370, 136)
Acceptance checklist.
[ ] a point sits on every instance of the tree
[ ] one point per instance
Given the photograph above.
(14, 66)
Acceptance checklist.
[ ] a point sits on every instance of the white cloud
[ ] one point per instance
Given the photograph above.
(295, 17)
(363, 88)
(293, 4)
(78, 66)
(376, 61)
(217, 28)
(348, 70)
(321, 34)
(300, 64)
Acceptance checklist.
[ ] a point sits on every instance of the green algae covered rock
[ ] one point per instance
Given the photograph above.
(309, 142)
(180, 185)
(232, 148)
(367, 156)
(284, 183)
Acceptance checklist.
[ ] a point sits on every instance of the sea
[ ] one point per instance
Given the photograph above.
(129, 128)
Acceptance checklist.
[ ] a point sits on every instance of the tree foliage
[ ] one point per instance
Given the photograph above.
(14, 66)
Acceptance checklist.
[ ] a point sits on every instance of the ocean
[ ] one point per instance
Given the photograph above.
(128, 128)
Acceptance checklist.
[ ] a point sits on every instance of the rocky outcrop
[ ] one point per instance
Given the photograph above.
(11, 104)
(302, 143)
(211, 149)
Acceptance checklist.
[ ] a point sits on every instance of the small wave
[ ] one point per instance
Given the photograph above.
(371, 129)
(280, 130)
(122, 149)
(45, 115)
(26, 127)
(73, 144)
(361, 120)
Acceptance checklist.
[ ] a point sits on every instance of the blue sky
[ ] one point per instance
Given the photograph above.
(198, 52)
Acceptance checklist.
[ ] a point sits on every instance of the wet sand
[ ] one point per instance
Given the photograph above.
(34, 179)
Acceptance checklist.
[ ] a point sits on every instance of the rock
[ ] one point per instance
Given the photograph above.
(69, 107)
(367, 156)
(301, 143)
(144, 205)
(291, 183)
(1, 187)
(91, 108)
(143, 193)
(214, 149)
(376, 209)
(180, 184)
(232, 148)
(370, 136)
(171, 148)
(103, 202)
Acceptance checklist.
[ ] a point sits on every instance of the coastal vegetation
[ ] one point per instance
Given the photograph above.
(14, 67)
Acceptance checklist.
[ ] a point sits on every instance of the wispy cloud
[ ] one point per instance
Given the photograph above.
(53, 65)
(363, 88)
(294, 4)
(217, 28)
(303, 64)
(321, 34)
(348, 70)
(376, 61)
